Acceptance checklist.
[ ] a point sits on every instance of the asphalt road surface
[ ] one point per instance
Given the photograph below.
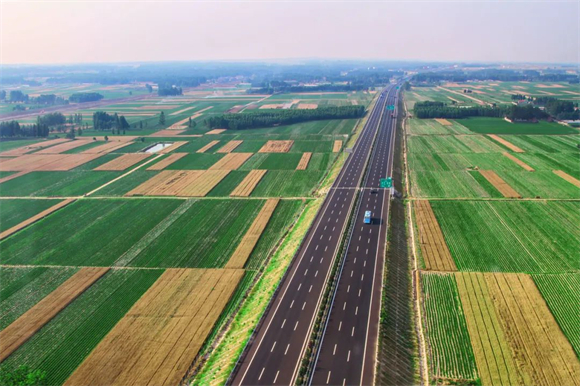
(274, 355)
(347, 354)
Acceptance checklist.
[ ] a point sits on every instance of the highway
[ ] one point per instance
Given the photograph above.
(274, 355)
(347, 353)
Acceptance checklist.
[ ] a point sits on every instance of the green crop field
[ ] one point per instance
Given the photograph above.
(86, 233)
(453, 144)
(450, 353)
(23, 287)
(179, 241)
(89, 145)
(448, 184)
(195, 161)
(62, 344)
(9, 145)
(272, 161)
(511, 236)
(127, 183)
(228, 184)
(284, 215)
(50, 184)
(432, 127)
(97, 162)
(16, 211)
(562, 293)
(485, 125)
(546, 143)
(286, 183)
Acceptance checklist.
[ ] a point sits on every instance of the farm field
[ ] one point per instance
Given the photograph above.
(135, 242)
(16, 211)
(506, 202)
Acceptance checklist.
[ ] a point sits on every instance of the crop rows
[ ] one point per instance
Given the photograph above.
(69, 183)
(69, 337)
(16, 211)
(450, 353)
(453, 144)
(87, 232)
(287, 183)
(22, 288)
(562, 293)
(519, 236)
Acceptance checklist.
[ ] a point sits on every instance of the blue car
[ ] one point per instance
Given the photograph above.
(368, 217)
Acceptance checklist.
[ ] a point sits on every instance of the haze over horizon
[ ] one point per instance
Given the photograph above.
(130, 31)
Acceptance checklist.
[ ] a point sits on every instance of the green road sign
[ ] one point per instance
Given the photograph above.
(397, 87)
(386, 182)
(390, 107)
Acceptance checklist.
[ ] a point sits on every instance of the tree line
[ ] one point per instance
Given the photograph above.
(15, 129)
(169, 90)
(259, 119)
(505, 75)
(282, 87)
(431, 109)
(105, 121)
(82, 97)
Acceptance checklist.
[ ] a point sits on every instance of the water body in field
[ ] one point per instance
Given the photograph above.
(157, 147)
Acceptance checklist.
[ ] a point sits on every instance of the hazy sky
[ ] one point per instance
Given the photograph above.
(114, 31)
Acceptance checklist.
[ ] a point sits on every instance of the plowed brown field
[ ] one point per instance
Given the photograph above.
(25, 149)
(167, 161)
(207, 147)
(500, 184)
(245, 188)
(567, 177)
(435, 253)
(32, 320)
(303, 164)
(443, 122)
(156, 342)
(337, 146)
(519, 162)
(123, 162)
(35, 218)
(507, 144)
(166, 183)
(215, 131)
(538, 344)
(229, 147)
(46, 162)
(246, 246)
(62, 147)
(493, 356)
(106, 148)
(180, 183)
(277, 147)
(231, 161)
(167, 133)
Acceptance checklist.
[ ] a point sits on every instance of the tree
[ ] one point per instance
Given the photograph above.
(71, 134)
(123, 123)
(22, 376)
(189, 124)
(81, 97)
(3, 95)
(162, 118)
(18, 96)
(79, 132)
(106, 138)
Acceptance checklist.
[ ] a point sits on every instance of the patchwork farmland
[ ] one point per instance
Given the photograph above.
(126, 257)
(494, 211)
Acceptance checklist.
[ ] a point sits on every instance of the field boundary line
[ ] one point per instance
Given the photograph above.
(123, 175)
(35, 218)
(415, 274)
